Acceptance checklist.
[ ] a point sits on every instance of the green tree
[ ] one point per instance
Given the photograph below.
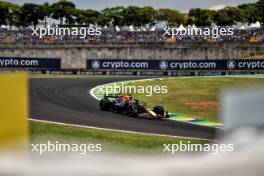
(148, 15)
(71, 16)
(87, 16)
(260, 11)
(62, 9)
(114, 15)
(47, 11)
(227, 16)
(9, 14)
(133, 16)
(172, 17)
(103, 20)
(30, 14)
(248, 13)
(201, 17)
(14, 16)
(4, 12)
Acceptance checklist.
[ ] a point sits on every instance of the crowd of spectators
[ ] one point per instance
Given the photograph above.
(113, 37)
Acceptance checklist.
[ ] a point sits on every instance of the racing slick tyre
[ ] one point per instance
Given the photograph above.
(159, 110)
(105, 105)
(130, 111)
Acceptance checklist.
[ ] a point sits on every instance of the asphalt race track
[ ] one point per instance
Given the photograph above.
(67, 100)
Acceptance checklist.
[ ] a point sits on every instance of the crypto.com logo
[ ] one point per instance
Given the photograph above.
(96, 64)
(231, 65)
(163, 65)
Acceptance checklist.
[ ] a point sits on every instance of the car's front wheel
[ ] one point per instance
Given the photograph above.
(130, 111)
(159, 110)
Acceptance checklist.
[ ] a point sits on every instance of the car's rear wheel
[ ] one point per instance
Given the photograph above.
(105, 105)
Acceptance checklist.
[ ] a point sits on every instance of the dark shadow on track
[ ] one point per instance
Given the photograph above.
(67, 100)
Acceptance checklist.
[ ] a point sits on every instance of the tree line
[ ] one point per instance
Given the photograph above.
(66, 12)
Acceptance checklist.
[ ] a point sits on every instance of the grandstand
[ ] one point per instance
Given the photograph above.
(126, 37)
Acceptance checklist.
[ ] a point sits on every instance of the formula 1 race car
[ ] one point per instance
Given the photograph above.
(126, 105)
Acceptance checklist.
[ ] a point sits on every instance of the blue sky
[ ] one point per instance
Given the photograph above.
(182, 5)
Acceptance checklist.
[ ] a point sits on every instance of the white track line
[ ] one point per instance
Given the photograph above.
(92, 92)
(115, 130)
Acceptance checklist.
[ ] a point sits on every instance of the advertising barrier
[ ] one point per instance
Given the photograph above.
(142, 73)
(177, 65)
(25, 62)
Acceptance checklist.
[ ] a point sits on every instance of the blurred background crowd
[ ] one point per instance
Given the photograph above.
(123, 37)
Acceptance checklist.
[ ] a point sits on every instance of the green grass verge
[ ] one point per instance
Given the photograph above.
(110, 140)
(195, 97)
